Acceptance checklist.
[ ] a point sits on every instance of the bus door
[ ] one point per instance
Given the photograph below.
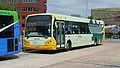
(60, 32)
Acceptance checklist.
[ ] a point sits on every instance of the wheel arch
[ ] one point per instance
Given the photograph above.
(69, 41)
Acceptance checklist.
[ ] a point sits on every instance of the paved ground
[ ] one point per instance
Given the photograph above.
(102, 56)
(113, 41)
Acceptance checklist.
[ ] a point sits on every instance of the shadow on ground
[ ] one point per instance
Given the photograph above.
(10, 57)
(58, 51)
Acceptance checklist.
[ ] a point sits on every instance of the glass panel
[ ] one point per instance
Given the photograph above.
(5, 21)
(13, 1)
(76, 28)
(38, 26)
(30, 9)
(16, 9)
(30, 1)
(59, 32)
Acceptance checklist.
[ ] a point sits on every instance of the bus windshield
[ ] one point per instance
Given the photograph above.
(38, 26)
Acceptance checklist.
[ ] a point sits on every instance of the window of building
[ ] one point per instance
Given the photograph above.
(30, 9)
(13, 1)
(45, 4)
(24, 17)
(23, 25)
(18, 16)
(30, 1)
(5, 21)
(16, 9)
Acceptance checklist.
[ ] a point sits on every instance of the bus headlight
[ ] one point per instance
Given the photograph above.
(26, 42)
(48, 42)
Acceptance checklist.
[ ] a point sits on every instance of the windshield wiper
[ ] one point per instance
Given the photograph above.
(37, 36)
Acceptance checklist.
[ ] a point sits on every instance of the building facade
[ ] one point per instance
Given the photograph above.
(103, 13)
(113, 27)
(27, 7)
(111, 16)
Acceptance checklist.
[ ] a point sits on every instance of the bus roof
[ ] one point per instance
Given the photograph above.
(70, 18)
(8, 13)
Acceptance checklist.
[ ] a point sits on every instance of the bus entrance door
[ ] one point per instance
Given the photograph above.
(60, 33)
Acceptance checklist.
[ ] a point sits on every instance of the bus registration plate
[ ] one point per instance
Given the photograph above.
(36, 47)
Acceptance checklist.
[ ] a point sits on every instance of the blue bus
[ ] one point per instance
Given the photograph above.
(9, 33)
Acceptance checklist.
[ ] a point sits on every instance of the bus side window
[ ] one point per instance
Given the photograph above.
(75, 29)
(68, 27)
(82, 29)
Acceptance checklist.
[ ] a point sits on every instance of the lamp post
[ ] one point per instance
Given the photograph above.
(86, 8)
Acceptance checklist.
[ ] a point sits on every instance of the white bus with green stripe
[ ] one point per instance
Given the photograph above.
(51, 31)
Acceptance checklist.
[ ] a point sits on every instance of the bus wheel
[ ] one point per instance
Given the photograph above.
(68, 46)
(95, 42)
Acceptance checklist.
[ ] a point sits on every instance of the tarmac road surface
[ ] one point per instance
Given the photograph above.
(106, 55)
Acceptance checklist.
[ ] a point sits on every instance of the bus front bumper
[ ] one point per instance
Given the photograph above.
(39, 47)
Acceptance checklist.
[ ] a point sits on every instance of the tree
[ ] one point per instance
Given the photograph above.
(6, 6)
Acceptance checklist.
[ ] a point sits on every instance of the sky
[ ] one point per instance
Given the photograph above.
(68, 7)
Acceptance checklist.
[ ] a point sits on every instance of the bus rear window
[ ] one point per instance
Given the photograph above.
(5, 21)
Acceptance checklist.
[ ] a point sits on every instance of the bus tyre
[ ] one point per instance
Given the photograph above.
(68, 46)
(95, 42)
